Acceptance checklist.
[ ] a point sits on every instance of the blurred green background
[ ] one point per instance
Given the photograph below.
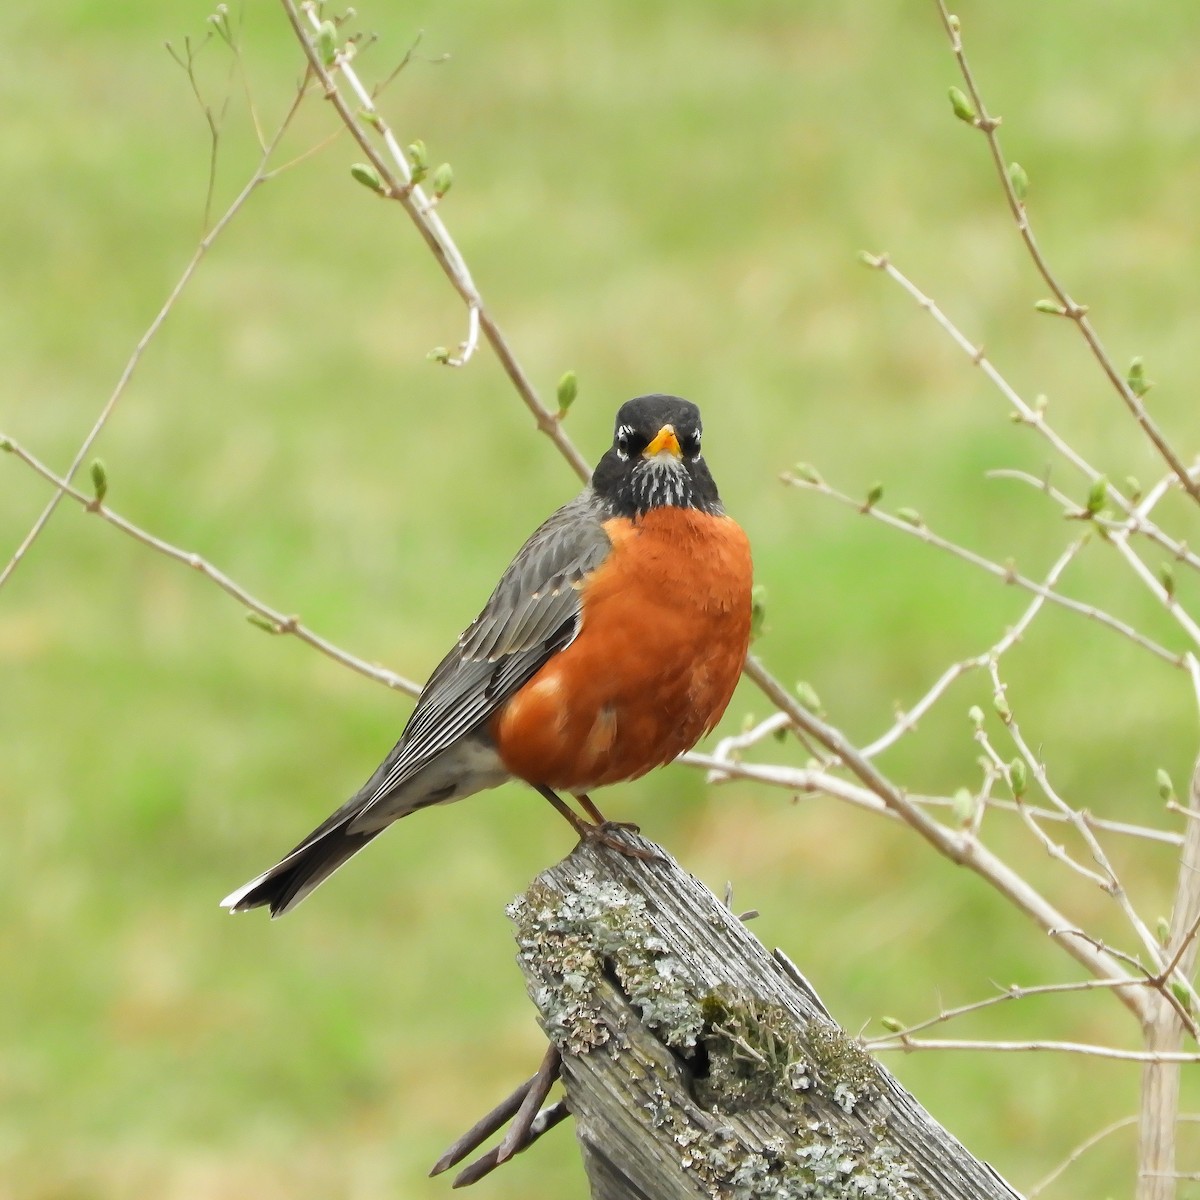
(662, 197)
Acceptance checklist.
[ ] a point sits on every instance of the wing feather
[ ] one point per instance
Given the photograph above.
(532, 614)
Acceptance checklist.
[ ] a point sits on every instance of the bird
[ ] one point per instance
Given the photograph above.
(612, 644)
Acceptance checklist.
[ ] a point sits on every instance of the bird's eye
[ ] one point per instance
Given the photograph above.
(629, 442)
(690, 444)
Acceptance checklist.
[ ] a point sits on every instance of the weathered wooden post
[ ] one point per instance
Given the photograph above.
(696, 1064)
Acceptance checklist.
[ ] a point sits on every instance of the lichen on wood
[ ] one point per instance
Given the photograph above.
(697, 1064)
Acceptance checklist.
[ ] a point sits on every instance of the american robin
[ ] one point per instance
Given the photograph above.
(611, 644)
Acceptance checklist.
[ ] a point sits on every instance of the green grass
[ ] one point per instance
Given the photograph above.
(661, 197)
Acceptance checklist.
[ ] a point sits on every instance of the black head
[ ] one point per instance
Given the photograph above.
(655, 460)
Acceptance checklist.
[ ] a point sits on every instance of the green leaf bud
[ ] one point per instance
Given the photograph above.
(366, 174)
(1097, 495)
(1139, 385)
(99, 480)
(327, 43)
(962, 107)
(442, 181)
(1166, 576)
(417, 160)
(1018, 180)
(963, 805)
(1018, 777)
(567, 390)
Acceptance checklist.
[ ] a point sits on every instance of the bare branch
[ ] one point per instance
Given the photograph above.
(397, 184)
(1009, 575)
(954, 845)
(275, 621)
(1053, 1047)
(258, 177)
(1077, 313)
(1015, 992)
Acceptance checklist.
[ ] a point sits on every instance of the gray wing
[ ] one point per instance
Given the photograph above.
(532, 614)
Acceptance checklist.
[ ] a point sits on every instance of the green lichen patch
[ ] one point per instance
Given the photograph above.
(843, 1065)
(569, 941)
(755, 1055)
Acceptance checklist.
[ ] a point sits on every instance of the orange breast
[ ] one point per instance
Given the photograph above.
(666, 624)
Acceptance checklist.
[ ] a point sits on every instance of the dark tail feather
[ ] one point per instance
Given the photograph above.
(293, 877)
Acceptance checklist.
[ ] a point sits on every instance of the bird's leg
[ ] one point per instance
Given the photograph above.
(577, 823)
(589, 807)
(603, 831)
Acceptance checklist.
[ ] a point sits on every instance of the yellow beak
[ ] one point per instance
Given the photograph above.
(665, 440)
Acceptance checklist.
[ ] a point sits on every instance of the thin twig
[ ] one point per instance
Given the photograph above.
(1134, 523)
(395, 175)
(257, 177)
(964, 850)
(1077, 313)
(1015, 992)
(1054, 1047)
(276, 621)
(1009, 575)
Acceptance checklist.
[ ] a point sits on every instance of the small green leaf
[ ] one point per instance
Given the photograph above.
(439, 354)
(891, 1024)
(6, 445)
(327, 43)
(1000, 704)
(975, 716)
(568, 389)
(1139, 385)
(99, 480)
(963, 805)
(874, 495)
(1133, 487)
(1019, 180)
(807, 695)
(366, 174)
(370, 117)
(1050, 306)
(1097, 495)
(417, 160)
(1166, 576)
(807, 473)
(910, 516)
(1018, 777)
(870, 260)
(1166, 789)
(1162, 927)
(261, 622)
(962, 107)
(758, 611)
(442, 181)
(1180, 992)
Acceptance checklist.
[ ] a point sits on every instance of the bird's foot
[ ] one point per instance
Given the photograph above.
(608, 833)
